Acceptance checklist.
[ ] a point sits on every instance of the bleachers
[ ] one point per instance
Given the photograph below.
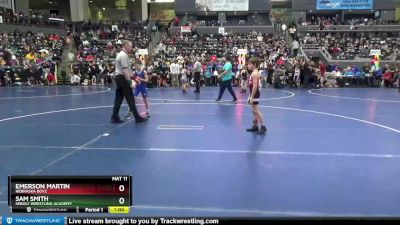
(344, 46)
(218, 45)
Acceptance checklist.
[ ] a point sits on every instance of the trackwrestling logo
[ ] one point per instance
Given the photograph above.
(33, 220)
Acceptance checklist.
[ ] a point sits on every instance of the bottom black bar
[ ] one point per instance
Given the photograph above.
(219, 221)
(44, 209)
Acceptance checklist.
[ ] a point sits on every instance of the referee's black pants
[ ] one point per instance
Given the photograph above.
(197, 80)
(124, 90)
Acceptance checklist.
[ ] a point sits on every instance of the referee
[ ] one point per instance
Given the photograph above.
(123, 71)
(197, 74)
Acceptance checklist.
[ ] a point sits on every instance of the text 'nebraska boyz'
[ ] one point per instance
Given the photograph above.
(39, 188)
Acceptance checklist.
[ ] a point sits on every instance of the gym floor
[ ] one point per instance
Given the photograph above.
(328, 152)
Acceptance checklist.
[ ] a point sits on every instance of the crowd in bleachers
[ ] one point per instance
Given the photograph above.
(122, 25)
(209, 49)
(324, 75)
(326, 22)
(29, 58)
(34, 19)
(318, 20)
(355, 46)
(97, 47)
(280, 67)
(278, 70)
(231, 21)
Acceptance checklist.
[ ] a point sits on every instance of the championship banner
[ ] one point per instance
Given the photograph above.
(142, 55)
(8, 4)
(143, 52)
(114, 28)
(242, 51)
(375, 52)
(221, 30)
(242, 56)
(222, 5)
(186, 29)
(376, 59)
(344, 4)
(56, 19)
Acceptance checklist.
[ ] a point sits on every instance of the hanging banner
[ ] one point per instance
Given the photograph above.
(375, 52)
(143, 51)
(344, 4)
(186, 29)
(221, 30)
(376, 61)
(56, 19)
(222, 5)
(8, 4)
(242, 51)
(242, 56)
(114, 28)
(142, 55)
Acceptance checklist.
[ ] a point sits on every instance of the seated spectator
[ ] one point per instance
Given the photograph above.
(50, 78)
(75, 79)
(366, 70)
(388, 79)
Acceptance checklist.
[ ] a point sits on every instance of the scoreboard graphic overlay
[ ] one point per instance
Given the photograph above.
(74, 194)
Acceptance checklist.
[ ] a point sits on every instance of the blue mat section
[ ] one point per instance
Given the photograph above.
(327, 152)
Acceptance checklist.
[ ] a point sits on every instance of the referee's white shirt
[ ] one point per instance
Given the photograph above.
(122, 61)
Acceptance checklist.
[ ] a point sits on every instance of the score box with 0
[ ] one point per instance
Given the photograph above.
(70, 191)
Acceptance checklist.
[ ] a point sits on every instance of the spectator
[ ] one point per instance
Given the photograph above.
(322, 68)
(75, 79)
(50, 78)
(388, 78)
(243, 79)
(292, 32)
(295, 47)
(174, 69)
(94, 74)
